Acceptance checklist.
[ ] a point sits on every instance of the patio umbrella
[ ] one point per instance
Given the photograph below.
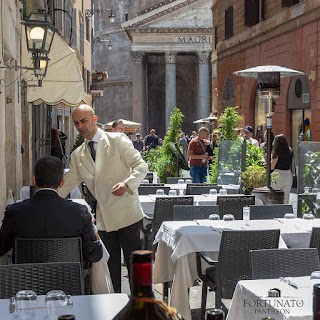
(201, 121)
(130, 126)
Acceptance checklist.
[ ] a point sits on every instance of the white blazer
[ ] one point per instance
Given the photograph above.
(116, 161)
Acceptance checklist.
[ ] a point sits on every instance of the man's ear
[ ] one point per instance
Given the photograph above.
(34, 182)
(95, 118)
(61, 183)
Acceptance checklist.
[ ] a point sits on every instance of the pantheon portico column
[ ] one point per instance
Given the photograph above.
(171, 100)
(203, 84)
(139, 90)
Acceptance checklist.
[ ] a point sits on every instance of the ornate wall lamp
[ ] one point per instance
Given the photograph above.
(90, 12)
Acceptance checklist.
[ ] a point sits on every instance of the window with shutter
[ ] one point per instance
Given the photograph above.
(87, 28)
(228, 93)
(58, 15)
(215, 37)
(289, 3)
(74, 28)
(82, 38)
(228, 23)
(253, 12)
(67, 21)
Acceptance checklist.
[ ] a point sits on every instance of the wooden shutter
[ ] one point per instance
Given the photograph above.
(229, 23)
(82, 38)
(248, 13)
(74, 28)
(67, 21)
(215, 37)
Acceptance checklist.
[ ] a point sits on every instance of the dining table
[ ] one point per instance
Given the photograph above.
(251, 301)
(178, 242)
(85, 307)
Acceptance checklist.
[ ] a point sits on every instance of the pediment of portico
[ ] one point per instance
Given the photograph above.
(180, 25)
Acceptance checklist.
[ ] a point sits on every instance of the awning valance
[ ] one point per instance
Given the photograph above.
(63, 82)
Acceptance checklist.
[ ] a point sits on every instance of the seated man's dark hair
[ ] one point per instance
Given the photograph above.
(48, 172)
(116, 122)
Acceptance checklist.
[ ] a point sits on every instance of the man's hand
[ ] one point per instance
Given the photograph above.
(119, 189)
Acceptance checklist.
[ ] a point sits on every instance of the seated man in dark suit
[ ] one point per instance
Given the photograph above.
(47, 215)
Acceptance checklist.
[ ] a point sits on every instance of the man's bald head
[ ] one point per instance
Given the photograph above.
(203, 133)
(85, 121)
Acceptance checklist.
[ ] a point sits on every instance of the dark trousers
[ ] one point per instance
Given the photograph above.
(128, 239)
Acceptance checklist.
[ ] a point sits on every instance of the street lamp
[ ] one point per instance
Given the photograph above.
(268, 89)
(90, 12)
(39, 33)
(39, 36)
(40, 70)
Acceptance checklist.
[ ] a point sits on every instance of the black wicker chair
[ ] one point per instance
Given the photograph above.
(233, 204)
(187, 212)
(204, 189)
(315, 239)
(145, 190)
(192, 187)
(174, 180)
(41, 278)
(275, 263)
(233, 263)
(271, 211)
(32, 250)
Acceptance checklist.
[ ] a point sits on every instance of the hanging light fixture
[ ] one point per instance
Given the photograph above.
(41, 66)
(39, 33)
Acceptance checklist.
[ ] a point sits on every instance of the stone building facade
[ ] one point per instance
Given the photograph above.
(269, 32)
(160, 59)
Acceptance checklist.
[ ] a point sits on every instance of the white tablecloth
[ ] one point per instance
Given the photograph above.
(250, 300)
(97, 307)
(179, 240)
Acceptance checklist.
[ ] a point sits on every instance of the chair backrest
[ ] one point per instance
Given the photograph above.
(233, 190)
(163, 210)
(151, 185)
(187, 212)
(315, 239)
(41, 278)
(173, 180)
(195, 185)
(234, 204)
(201, 189)
(145, 190)
(275, 263)
(234, 262)
(271, 211)
(30, 250)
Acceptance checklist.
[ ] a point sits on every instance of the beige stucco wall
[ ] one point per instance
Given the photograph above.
(10, 102)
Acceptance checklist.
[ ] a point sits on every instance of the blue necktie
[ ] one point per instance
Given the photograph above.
(92, 150)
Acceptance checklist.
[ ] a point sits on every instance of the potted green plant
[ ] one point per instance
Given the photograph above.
(253, 177)
(162, 159)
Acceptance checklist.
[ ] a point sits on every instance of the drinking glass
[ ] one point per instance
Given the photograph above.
(216, 314)
(308, 216)
(146, 181)
(188, 181)
(56, 302)
(223, 192)
(26, 300)
(289, 216)
(181, 192)
(160, 192)
(228, 217)
(213, 192)
(214, 216)
(306, 189)
(172, 193)
(246, 215)
(314, 190)
(180, 181)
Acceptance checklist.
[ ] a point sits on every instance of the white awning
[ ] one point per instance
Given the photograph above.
(63, 82)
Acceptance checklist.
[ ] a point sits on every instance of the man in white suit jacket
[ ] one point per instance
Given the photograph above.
(112, 173)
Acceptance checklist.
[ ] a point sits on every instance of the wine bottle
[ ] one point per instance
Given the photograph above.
(142, 304)
(316, 302)
(10, 199)
(214, 314)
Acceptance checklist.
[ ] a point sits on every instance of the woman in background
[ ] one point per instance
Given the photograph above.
(281, 160)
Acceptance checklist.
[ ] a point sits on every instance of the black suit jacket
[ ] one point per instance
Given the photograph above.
(47, 215)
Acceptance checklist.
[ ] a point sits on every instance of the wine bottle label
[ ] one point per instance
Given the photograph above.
(142, 273)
